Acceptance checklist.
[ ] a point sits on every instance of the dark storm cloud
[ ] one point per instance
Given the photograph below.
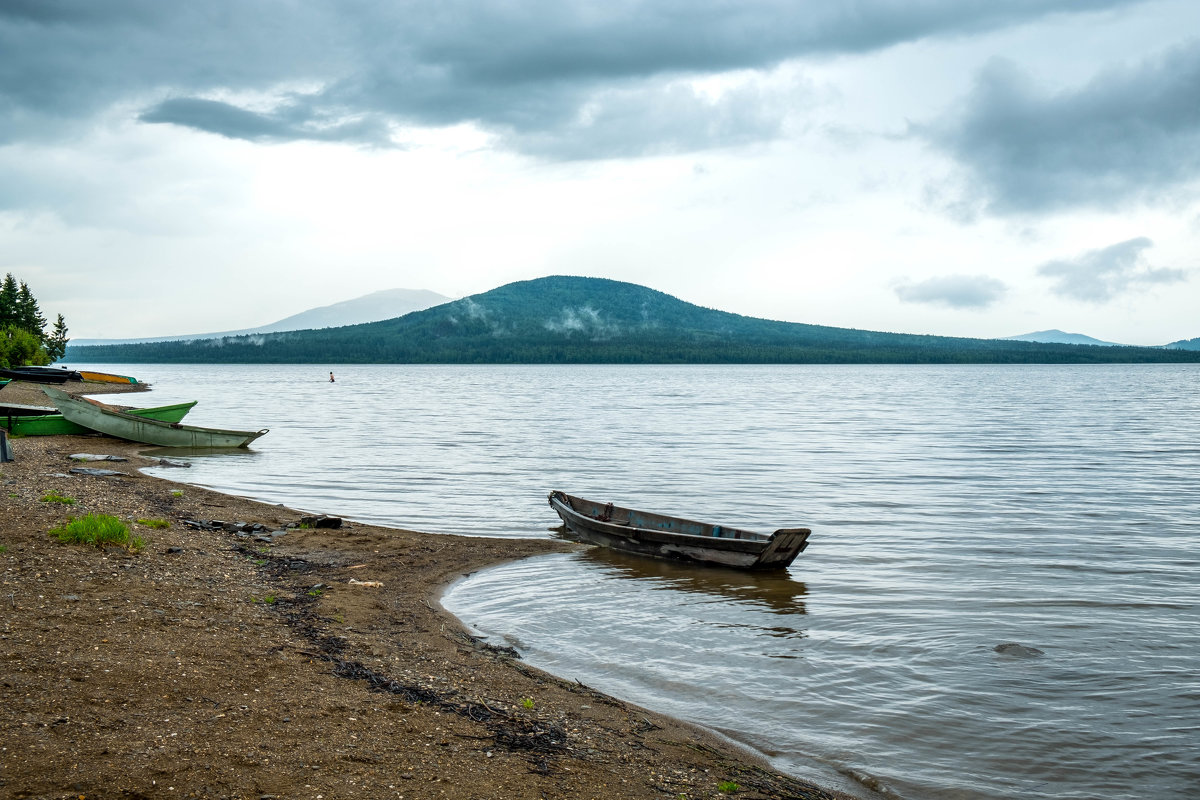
(1100, 275)
(954, 291)
(548, 77)
(1126, 134)
(286, 122)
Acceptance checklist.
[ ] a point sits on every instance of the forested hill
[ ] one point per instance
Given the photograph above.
(593, 320)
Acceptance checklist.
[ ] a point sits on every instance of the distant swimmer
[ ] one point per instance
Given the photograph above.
(331, 377)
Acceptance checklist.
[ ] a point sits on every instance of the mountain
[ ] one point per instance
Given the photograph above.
(1059, 337)
(373, 307)
(1184, 344)
(592, 320)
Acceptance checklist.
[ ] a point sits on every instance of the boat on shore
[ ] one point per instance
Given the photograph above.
(40, 374)
(25, 410)
(105, 377)
(97, 416)
(48, 422)
(676, 538)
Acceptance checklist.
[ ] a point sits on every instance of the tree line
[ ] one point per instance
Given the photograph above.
(359, 345)
(24, 340)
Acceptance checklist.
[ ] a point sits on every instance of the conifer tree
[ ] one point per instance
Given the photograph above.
(29, 316)
(9, 295)
(56, 342)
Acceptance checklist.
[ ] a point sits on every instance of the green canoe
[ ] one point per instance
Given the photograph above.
(58, 425)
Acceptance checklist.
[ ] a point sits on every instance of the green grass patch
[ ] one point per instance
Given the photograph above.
(158, 524)
(177, 493)
(97, 530)
(55, 497)
(527, 702)
(728, 787)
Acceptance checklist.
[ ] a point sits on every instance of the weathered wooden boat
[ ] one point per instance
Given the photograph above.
(97, 416)
(105, 377)
(24, 410)
(674, 537)
(50, 423)
(39, 374)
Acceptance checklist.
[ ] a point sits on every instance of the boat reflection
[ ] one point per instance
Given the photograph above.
(775, 592)
(198, 452)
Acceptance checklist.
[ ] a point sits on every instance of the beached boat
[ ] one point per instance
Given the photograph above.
(105, 377)
(674, 537)
(103, 418)
(25, 410)
(39, 374)
(50, 423)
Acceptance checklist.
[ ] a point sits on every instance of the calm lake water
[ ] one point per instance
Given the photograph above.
(954, 509)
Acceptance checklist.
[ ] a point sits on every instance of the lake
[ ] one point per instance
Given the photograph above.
(954, 509)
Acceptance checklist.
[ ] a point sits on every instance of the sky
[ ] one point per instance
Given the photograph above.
(953, 167)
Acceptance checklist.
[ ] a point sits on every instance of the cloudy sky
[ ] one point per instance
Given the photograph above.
(959, 167)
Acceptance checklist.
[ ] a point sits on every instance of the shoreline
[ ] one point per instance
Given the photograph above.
(319, 662)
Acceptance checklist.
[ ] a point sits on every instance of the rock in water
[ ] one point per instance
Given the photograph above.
(1017, 650)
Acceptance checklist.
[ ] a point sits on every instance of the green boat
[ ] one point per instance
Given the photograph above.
(97, 416)
(58, 425)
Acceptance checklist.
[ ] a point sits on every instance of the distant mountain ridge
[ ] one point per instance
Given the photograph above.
(566, 319)
(1055, 336)
(1185, 344)
(381, 305)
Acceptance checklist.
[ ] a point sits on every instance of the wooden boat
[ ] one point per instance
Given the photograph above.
(673, 537)
(104, 418)
(39, 374)
(105, 377)
(23, 410)
(51, 423)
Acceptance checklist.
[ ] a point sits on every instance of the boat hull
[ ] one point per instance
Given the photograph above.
(105, 377)
(106, 419)
(39, 374)
(675, 538)
(58, 425)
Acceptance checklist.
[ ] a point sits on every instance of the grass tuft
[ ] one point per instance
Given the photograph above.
(55, 497)
(728, 787)
(154, 523)
(97, 530)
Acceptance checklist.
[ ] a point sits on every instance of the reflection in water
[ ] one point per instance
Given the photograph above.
(200, 452)
(777, 592)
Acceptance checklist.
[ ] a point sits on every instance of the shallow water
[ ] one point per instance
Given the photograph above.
(954, 509)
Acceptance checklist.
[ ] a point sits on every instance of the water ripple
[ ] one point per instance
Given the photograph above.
(954, 509)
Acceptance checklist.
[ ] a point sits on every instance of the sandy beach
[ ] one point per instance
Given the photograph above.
(234, 656)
